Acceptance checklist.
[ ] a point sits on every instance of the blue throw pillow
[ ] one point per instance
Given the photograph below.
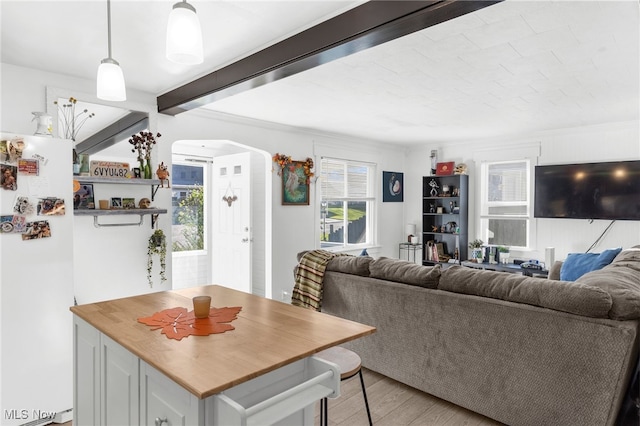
(578, 264)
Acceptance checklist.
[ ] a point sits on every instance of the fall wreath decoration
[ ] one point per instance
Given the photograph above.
(283, 160)
(157, 245)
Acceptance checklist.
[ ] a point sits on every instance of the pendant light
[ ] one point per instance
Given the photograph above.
(110, 81)
(184, 35)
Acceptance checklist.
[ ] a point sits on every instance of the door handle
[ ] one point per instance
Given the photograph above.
(159, 421)
(245, 240)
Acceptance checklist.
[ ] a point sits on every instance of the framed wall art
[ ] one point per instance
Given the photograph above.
(128, 203)
(392, 187)
(116, 202)
(83, 198)
(295, 184)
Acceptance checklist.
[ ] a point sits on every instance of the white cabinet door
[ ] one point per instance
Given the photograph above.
(119, 384)
(86, 373)
(165, 403)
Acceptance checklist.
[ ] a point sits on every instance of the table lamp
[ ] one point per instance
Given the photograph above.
(410, 230)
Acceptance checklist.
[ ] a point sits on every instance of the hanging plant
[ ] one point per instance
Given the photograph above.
(157, 245)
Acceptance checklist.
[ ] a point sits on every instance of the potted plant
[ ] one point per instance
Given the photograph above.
(476, 250)
(157, 245)
(503, 254)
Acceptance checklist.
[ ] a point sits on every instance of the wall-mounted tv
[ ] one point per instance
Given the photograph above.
(608, 190)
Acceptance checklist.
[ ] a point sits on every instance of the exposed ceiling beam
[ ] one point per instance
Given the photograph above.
(122, 129)
(365, 26)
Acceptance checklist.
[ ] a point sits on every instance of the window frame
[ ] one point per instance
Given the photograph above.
(485, 204)
(371, 200)
(205, 212)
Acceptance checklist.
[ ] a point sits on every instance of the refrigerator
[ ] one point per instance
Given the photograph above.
(36, 279)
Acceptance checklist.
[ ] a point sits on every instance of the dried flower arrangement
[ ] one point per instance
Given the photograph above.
(70, 122)
(143, 143)
(283, 160)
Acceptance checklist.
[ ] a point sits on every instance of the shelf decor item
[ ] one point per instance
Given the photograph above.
(445, 169)
(143, 143)
(44, 124)
(503, 253)
(83, 198)
(157, 245)
(476, 250)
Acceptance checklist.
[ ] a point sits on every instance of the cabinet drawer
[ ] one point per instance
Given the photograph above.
(284, 396)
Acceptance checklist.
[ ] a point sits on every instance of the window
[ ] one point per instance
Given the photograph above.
(505, 205)
(347, 204)
(187, 202)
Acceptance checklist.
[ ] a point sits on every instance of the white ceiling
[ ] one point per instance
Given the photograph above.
(511, 68)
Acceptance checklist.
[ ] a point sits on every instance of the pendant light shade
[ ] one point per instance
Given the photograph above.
(110, 82)
(184, 35)
(110, 85)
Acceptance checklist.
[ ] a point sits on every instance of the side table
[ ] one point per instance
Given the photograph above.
(410, 249)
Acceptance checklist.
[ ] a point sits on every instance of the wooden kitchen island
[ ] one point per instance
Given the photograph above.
(262, 372)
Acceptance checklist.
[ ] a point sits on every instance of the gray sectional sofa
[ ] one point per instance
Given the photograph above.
(520, 350)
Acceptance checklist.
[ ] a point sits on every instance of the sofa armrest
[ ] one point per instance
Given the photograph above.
(554, 271)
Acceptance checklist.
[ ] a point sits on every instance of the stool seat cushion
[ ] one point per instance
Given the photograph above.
(348, 361)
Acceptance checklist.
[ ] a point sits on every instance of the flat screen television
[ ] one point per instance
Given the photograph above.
(608, 190)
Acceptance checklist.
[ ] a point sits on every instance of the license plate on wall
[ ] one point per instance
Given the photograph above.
(108, 169)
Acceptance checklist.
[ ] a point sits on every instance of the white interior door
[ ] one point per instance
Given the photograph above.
(231, 222)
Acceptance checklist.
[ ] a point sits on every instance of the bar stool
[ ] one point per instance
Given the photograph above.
(349, 364)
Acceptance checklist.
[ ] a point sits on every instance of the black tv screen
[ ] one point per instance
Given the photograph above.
(588, 191)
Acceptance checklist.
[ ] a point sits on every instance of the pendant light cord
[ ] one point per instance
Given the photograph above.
(109, 27)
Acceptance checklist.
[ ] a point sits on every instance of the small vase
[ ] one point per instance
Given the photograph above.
(147, 170)
(43, 123)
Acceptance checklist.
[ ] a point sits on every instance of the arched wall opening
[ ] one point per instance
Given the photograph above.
(194, 267)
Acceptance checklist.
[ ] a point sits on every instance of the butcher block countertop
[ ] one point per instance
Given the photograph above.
(268, 335)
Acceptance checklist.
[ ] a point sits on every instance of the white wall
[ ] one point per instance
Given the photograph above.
(113, 263)
(607, 142)
(293, 227)
(108, 262)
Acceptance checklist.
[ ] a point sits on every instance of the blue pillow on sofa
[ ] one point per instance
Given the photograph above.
(578, 264)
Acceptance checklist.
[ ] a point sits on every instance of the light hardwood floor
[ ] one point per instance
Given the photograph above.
(393, 404)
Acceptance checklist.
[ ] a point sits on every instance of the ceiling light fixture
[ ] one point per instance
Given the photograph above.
(110, 81)
(184, 35)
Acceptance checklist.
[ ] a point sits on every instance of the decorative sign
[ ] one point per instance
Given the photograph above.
(108, 169)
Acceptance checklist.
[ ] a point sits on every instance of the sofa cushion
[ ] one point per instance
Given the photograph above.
(578, 264)
(354, 265)
(621, 280)
(575, 298)
(406, 272)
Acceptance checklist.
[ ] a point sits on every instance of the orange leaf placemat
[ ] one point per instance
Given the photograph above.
(177, 323)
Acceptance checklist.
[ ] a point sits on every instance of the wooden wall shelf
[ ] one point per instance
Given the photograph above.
(154, 183)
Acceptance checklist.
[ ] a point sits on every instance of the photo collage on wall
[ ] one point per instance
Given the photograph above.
(15, 173)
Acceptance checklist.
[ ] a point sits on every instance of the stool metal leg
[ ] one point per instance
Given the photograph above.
(324, 415)
(324, 411)
(364, 394)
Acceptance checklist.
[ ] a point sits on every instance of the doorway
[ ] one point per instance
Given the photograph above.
(243, 227)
